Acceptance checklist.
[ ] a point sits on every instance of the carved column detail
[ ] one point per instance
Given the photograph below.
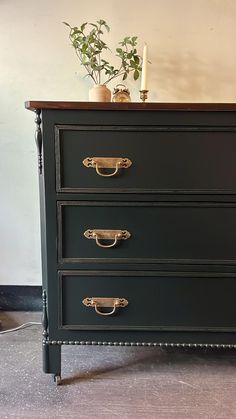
(45, 316)
(38, 139)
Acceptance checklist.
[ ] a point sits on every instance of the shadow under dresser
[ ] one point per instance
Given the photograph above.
(138, 224)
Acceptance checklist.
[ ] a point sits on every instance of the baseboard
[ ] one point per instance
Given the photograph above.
(20, 298)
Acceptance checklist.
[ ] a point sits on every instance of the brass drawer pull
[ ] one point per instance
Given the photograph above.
(107, 163)
(101, 302)
(114, 235)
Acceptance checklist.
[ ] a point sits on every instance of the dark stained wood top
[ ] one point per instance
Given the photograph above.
(33, 105)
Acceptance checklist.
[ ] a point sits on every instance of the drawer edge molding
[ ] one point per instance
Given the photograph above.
(230, 262)
(149, 328)
(144, 328)
(132, 128)
(149, 191)
(63, 260)
(64, 272)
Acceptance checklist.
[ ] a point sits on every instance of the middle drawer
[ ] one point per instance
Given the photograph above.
(144, 232)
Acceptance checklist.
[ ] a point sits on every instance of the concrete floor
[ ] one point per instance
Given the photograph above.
(113, 382)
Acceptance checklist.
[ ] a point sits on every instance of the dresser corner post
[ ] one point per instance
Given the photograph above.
(51, 350)
(39, 139)
(45, 332)
(52, 359)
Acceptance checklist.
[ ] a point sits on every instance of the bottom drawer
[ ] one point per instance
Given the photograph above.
(90, 300)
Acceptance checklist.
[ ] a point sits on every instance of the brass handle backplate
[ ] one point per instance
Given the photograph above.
(100, 163)
(98, 303)
(114, 235)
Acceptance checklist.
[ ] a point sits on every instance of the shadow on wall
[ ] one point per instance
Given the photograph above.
(184, 78)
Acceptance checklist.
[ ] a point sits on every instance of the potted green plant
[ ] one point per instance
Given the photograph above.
(87, 41)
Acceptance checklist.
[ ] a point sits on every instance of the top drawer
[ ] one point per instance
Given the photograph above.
(162, 159)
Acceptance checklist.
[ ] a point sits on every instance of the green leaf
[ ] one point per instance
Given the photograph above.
(136, 74)
(125, 76)
(83, 26)
(119, 50)
(84, 48)
(93, 24)
(67, 24)
(98, 67)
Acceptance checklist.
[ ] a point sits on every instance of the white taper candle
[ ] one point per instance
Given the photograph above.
(144, 68)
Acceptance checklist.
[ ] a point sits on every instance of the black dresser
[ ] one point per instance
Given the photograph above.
(138, 217)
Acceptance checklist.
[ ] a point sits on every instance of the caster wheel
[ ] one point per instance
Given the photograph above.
(57, 379)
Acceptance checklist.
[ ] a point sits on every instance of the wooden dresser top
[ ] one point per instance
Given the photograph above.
(148, 106)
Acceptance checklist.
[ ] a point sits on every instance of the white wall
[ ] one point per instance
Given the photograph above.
(193, 54)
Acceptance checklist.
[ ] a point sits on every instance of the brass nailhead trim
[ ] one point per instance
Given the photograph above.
(161, 344)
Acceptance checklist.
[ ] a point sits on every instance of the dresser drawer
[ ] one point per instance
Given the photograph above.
(146, 301)
(161, 159)
(155, 232)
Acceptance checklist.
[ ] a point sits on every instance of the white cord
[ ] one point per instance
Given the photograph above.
(22, 326)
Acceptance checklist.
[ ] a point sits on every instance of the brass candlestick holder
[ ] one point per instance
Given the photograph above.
(143, 95)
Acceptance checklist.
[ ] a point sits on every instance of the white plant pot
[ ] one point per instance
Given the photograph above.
(99, 93)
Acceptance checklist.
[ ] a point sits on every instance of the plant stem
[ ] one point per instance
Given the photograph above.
(120, 73)
(86, 67)
(91, 73)
(99, 58)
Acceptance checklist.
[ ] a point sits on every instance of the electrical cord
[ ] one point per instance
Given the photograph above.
(22, 326)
